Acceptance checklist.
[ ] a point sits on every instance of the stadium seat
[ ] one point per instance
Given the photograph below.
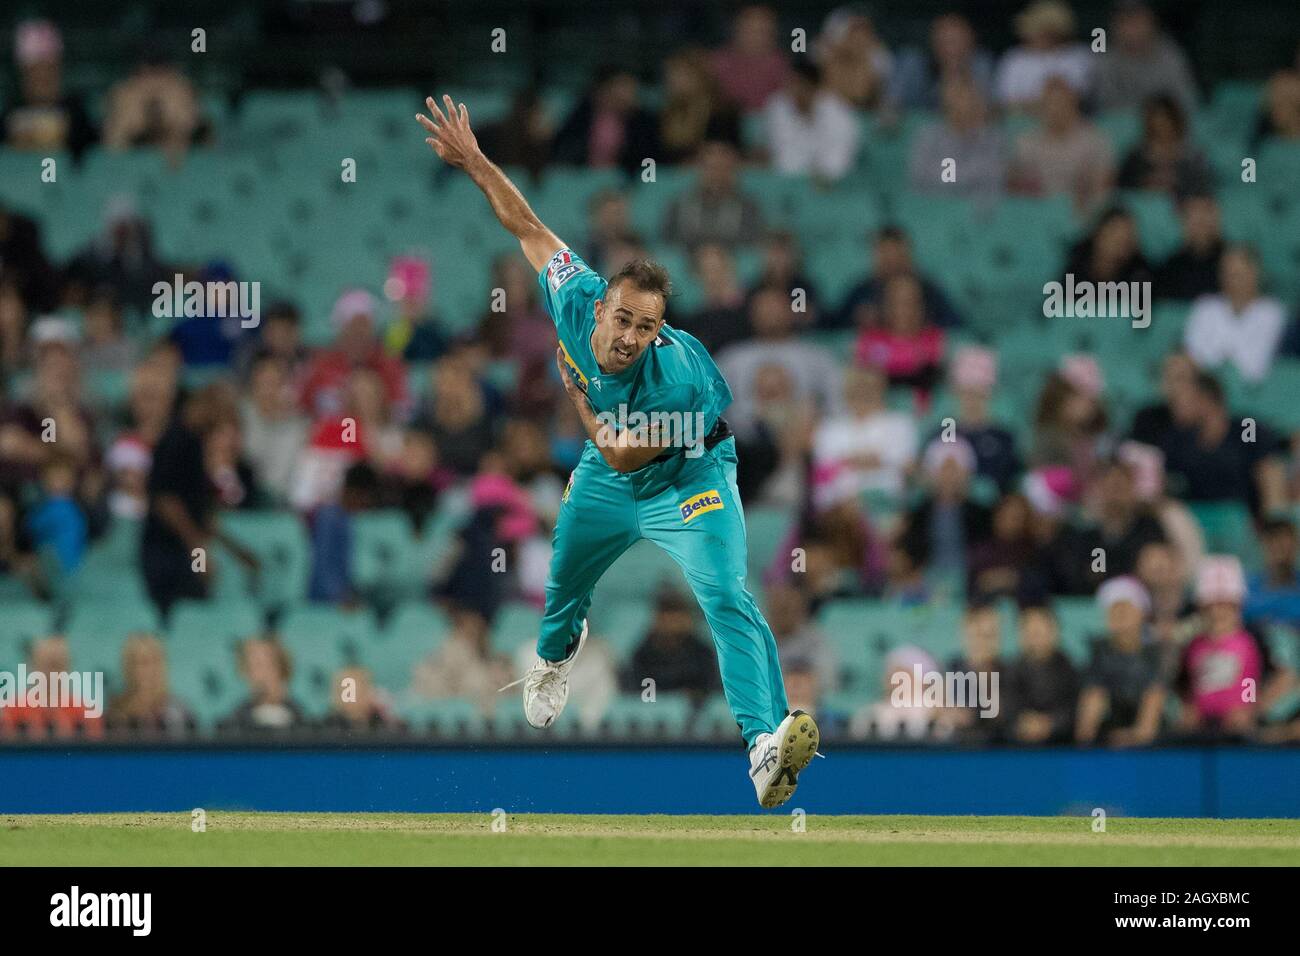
(20, 624)
(279, 539)
(321, 640)
(414, 631)
(631, 717)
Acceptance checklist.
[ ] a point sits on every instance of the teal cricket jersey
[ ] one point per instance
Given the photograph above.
(674, 374)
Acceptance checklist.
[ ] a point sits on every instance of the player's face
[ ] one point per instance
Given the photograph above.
(627, 320)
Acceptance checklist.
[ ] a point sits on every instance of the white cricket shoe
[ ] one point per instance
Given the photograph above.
(776, 759)
(546, 686)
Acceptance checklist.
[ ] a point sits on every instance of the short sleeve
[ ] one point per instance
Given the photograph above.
(569, 287)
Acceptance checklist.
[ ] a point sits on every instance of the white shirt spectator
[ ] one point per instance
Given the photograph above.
(1216, 334)
(1023, 71)
(822, 143)
(889, 437)
(814, 376)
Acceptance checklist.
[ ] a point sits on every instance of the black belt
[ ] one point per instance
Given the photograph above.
(720, 433)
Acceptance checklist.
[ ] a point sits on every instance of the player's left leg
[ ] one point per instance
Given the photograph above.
(701, 524)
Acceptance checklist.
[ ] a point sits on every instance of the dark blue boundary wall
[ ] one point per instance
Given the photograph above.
(1154, 783)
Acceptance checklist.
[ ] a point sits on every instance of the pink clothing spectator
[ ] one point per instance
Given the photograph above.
(1216, 668)
(750, 81)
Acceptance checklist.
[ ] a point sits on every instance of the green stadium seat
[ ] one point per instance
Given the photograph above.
(96, 632)
(629, 716)
(279, 539)
(321, 640)
(1080, 620)
(21, 623)
(623, 623)
(515, 623)
(383, 556)
(415, 631)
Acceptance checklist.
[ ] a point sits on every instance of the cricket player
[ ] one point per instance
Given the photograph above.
(659, 463)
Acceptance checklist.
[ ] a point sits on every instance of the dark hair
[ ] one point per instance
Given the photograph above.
(1209, 386)
(1276, 525)
(645, 275)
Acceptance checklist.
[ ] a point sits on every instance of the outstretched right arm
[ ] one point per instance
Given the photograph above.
(453, 141)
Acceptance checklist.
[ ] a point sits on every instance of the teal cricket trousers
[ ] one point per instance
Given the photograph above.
(691, 509)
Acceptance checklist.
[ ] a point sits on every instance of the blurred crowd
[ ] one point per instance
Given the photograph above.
(398, 412)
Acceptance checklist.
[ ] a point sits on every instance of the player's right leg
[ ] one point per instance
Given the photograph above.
(596, 524)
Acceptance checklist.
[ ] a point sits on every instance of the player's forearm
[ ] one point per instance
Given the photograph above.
(507, 202)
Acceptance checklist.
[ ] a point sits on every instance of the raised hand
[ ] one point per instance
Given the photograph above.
(450, 133)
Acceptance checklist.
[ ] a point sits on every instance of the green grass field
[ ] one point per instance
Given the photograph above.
(278, 839)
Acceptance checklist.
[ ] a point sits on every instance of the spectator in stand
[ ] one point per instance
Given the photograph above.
(183, 505)
(941, 530)
(672, 653)
(415, 479)
(44, 118)
(463, 666)
(355, 346)
(772, 443)
(1193, 269)
(1280, 119)
(980, 655)
(274, 430)
(854, 60)
(1047, 53)
(1007, 564)
(330, 535)
(953, 57)
(891, 255)
(458, 416)
(693, 110)
(1207, 460)
(715, 209)
(357, 706)
(1161, 570)
(812, 369)
(27, 440)
(811, 131)
(209, 339)
(1042, 686)
(1070, 421)
(1177, 381)
(121, 257)
(522, 138)
(155, 106)
(1166, 159)
(798, 638)
(974, 373)
(1222, 675)
(517, 329)
(1115, 525)
(50, 660)
(1142, 62)
(106, 346)
(842, 555)
(1126, 681)
(265, 666)
(1177, 522)
(753, 65)
(608, 129)
(147, 707)
(1241, 326)
(414, 333)
(965, 136)
(609, 224)
(56, 521)
(903, 713)
(869, 446)
(1273, 595)
(907, 346)
(1066, 155)
(1110, 252)
(783, 267)
(722, 318)
(280, 336)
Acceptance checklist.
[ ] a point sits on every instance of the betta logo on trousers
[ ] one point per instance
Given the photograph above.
(699, 504)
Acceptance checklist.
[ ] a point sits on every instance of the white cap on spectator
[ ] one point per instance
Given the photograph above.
(907, 657)
(37, 41)
(975, 368)
(1220, 580)
(54, 330)
(939, 452)
(350, 304)
(129, 454)
(1125, 588)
